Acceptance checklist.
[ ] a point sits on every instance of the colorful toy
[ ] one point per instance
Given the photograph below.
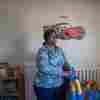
(90, 89)
(75, 90)
(66, 31)
(90, 85)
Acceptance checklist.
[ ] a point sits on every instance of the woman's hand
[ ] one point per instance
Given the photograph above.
(65, 74)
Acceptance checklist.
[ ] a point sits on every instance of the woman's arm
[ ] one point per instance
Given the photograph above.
(66, 63)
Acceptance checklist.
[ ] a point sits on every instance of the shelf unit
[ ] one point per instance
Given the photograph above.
(12, 84)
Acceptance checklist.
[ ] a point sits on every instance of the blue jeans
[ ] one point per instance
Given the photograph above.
(50, 93)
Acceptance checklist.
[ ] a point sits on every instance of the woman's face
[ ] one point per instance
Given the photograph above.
(52, 39)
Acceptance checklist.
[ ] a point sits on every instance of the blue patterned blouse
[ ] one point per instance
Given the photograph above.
(50, 63)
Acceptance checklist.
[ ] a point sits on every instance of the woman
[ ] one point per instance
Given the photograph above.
(50, 61)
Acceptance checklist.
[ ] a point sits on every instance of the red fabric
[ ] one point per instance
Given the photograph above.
(88, 81)
(86, 98)
(72, 32)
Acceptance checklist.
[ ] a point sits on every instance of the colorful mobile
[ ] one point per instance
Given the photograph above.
(66, 30)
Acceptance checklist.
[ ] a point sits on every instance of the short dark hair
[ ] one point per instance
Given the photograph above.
(48, 33)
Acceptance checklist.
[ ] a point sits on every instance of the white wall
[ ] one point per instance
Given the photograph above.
(21, 27)
(83, 13)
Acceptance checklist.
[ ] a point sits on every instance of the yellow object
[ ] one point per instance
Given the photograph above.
(75, 86)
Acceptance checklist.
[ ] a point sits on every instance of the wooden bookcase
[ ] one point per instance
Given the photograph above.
(12, 80)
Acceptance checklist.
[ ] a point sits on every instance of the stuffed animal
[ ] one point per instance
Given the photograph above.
(90, 85)
(90, 89)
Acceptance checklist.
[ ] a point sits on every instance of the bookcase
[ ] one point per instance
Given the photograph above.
(11, 82)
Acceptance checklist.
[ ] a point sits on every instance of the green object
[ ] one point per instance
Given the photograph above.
(98, 95)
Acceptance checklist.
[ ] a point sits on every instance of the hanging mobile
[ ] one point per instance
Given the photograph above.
(66, 30)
